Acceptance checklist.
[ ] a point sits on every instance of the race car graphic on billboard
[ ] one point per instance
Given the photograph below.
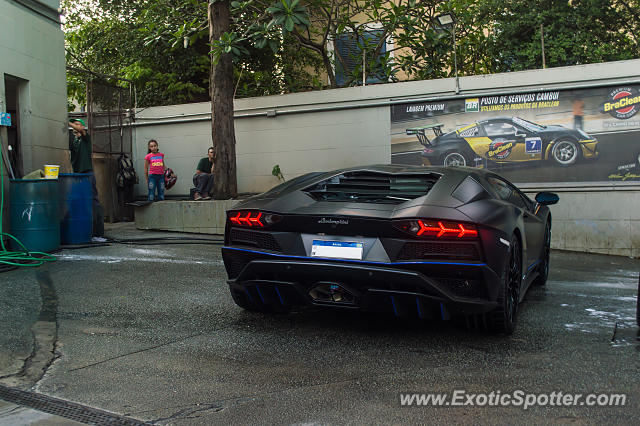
(590, 134)
(505, 140)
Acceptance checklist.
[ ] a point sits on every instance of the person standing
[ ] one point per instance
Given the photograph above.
(154, 168)
(203, 179)
(578, 114)
(80, 150)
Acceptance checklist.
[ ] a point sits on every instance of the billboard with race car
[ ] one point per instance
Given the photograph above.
(579, 135)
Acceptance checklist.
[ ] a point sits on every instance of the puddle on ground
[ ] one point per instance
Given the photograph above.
(118, 259)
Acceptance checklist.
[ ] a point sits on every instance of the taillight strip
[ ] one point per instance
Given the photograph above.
(251, 218)
(437, 228)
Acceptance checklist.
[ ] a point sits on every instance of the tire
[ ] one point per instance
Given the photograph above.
(503, 318)
(455, 158)
(543, 271)
(565, 152)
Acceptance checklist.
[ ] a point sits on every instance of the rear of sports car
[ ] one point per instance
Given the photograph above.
(368, 240)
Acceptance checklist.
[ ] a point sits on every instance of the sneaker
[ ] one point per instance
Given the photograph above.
(197, 197)
(206, 197)
(98, 240)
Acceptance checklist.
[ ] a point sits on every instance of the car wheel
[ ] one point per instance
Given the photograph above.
(565, 152)
(544, 257)
(454, 158)
(503, 318)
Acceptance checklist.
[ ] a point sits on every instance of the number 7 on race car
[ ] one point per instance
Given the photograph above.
(533, 145)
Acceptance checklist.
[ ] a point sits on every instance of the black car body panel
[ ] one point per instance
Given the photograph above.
(270, 240)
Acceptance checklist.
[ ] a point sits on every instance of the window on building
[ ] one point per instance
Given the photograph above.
(349, 47)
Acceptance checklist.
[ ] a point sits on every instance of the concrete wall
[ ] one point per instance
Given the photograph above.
(330, 129)
(297, 143)
(597, 221)
(32, 51)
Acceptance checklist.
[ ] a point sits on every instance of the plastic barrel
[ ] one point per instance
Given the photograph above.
(34, 214)
(76, 208)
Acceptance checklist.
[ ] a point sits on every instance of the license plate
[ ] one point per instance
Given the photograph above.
(337, 249)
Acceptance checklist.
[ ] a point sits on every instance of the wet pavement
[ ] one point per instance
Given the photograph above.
(151, 332)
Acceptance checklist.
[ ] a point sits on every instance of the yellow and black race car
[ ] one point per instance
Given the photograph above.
(504, 140)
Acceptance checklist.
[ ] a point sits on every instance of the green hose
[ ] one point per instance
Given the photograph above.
(16, 258)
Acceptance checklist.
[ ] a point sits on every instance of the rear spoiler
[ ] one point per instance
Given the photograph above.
(421, 132)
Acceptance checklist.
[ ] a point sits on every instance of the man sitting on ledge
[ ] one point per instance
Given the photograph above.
(203, 179)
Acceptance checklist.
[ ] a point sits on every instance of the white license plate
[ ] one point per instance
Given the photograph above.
(337, 249)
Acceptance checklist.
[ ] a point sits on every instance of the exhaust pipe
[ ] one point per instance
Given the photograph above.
(327, 292)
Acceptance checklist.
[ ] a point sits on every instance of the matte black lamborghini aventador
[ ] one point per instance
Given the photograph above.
(413, 241)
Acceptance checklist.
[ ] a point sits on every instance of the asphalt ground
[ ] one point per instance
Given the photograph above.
(151, 333)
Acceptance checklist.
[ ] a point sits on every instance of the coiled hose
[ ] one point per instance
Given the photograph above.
(24, 257)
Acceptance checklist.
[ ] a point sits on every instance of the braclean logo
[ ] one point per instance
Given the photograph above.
(623, 103)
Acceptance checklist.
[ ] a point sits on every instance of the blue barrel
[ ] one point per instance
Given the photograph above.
(34, 214)
(76, 208)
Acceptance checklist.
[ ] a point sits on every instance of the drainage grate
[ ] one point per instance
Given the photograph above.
(66, 409)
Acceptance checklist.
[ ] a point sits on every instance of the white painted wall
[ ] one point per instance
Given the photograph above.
(32, 49)
(603, 221)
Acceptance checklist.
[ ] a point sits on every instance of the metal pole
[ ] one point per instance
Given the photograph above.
(364, 65)
(455, 57)
(544, 65)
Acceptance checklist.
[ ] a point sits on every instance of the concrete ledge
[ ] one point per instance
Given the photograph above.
(201, 217)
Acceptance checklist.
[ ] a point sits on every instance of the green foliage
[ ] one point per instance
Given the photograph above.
(288, 14)
(576, 32)
(163, 46)
(277, 173)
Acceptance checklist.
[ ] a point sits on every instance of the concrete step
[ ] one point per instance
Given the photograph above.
(201, 217)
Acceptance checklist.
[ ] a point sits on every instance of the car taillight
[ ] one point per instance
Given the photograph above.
(437, 228)
(252, 218)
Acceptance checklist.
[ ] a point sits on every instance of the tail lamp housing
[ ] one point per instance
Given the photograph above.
(252, 218)
(435, 228)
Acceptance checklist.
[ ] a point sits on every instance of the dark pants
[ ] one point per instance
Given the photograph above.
(203, 183)
(98, 211)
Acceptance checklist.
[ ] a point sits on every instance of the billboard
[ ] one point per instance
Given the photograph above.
(578, 135)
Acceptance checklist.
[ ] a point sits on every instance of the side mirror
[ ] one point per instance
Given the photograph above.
(547, 198)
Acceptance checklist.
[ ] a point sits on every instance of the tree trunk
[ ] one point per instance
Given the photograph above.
(221, 89)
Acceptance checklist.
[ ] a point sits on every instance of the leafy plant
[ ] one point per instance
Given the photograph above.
(277, 173)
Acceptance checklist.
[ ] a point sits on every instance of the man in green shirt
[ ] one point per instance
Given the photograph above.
(81, 150)
(203, 179)
(80, 147)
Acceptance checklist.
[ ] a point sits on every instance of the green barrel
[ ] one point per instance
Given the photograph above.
(35, 214)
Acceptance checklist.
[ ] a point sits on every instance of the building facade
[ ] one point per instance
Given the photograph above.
(32, 86)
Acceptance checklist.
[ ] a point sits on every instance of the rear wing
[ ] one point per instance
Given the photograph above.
(421, 132)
